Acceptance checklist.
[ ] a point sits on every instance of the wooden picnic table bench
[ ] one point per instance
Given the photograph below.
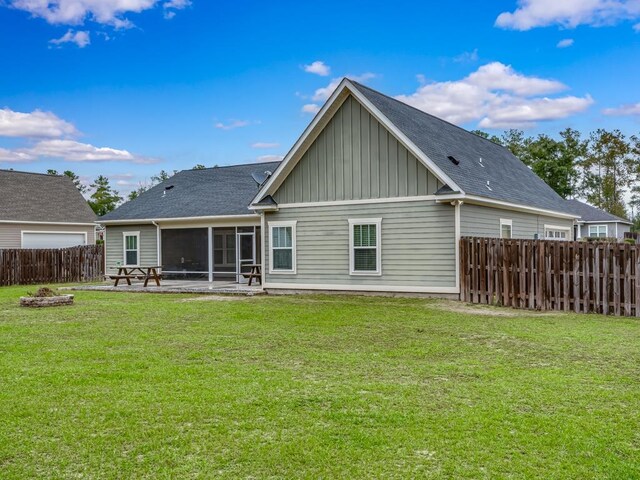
(255, 272)
(138, 273)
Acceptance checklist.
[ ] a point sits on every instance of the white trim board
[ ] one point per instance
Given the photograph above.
(362, 288)
(363, 201)
(324, 115)
(141, 221)
(352, 258)
(283, 224)
(489, 202)
(49, 223)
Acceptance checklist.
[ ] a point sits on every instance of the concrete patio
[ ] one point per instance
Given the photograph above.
(177, 286)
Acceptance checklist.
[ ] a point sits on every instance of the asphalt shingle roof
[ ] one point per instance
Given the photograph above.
(589, 213)
(35, 197)
(197, 193)
(509, 179)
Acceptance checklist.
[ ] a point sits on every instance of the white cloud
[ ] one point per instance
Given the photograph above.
(80, 38)
(72, 151)
(636, 27)
(564, 43)
(172, 5)
(322, 94)
(37, 124)
(269, 158)
(13, 156)
(623, 110)
(496, 96)
(311, 108)
(467, 57)
(106, 12)
(264, 145)
(568, 13)
(232, 124)
(319, 68)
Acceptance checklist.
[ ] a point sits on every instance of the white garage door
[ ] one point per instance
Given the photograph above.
(51, 240)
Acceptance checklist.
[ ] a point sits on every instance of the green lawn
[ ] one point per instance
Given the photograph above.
(157, 386)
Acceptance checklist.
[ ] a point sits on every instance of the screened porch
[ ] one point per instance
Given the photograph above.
(209, 253)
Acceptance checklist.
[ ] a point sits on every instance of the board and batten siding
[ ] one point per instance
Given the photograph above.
(115, 245)
(418, 245)
(482, 221)
(355, 157)
(11, 233)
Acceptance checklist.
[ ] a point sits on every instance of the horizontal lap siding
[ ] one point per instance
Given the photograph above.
(115, 246)
(355, 158)
(481, 221)
(418, 246)
(11, 233)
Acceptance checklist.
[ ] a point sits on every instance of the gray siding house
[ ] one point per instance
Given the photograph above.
(373, 196)
(594, 222)
(43, 211)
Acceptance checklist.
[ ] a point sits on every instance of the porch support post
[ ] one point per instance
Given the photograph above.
(210, 253)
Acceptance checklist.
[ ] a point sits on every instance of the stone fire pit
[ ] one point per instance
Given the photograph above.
(45, 297)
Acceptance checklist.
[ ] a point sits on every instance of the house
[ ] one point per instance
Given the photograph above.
(43, 211)
(373, 196)
(594, 222)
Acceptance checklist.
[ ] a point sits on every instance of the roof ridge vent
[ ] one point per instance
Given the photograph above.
(453, 160)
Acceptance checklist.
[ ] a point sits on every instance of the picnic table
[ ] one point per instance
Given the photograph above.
(138, 273)
(255, 272)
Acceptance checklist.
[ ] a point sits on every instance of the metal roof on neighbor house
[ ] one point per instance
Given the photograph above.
(37, 197)
(589, 213)
(208, 192)
(481, 167)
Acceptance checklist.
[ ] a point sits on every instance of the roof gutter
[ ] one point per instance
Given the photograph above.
(75, 224)
(153, 221)
(505, 205)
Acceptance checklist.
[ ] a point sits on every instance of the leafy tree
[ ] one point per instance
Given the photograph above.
(609, 169)
(199, 167)
(75, 178)
(483, 134)
(518, 143)
(103, 199)
(162, 176)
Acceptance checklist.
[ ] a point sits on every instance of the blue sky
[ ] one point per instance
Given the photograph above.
(126, 88)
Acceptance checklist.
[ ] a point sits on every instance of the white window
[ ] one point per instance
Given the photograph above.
(282, 244)
(364, 246)
(131, 249)
(506, 227)
(598, 231)
(552, 232)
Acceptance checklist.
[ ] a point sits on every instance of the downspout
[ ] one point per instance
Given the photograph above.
(158, 245)
(262, 247)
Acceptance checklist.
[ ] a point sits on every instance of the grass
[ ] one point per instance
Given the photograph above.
(155, 386)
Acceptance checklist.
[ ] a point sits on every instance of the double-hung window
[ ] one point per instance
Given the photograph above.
(598, 231)
(282, 242)
(131, 249)
(506, 227)
(364, 246)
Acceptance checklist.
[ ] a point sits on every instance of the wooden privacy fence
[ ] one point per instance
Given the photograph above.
(551, 275)
(27, 266)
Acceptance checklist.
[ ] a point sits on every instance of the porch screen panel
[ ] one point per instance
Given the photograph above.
(185, 253)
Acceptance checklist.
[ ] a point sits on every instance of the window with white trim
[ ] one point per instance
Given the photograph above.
(282, 245)
(131, 248)
(506, 227)
(598, 231)
(557, 233)
(364, 246)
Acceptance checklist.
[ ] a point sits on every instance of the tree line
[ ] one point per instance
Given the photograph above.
(603, 167)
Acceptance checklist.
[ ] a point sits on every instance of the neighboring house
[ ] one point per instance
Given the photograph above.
(594, 222)
(373, 196)
(43, 211)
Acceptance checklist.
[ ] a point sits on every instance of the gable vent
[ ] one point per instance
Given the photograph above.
(453, 160)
